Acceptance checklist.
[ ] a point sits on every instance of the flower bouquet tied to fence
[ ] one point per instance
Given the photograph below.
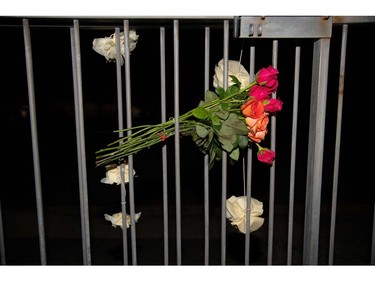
(227, 120)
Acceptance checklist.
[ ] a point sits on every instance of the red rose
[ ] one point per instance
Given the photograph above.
(259, 92)
(273, 105)
(268, 77)
(266, 155)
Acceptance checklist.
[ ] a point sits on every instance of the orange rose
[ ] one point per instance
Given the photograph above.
(257, 127)
(252, 108)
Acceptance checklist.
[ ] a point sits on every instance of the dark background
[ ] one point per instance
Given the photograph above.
(58, 158)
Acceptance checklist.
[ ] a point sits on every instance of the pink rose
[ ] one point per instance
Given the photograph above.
(273, 105)
(259, 92)
(266, 155)
(268, 77)
(253, 108)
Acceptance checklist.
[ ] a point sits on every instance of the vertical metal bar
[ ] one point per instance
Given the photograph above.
(315, 153)
(293, 153)
(272, 170)
(164, 148)
(252, 63)
(177, 139)
(2, 244)
(248, 171)
(81, 144)
(34, 139)
(76, 110)
(120, 115)
(206, 157)
(337, 146)
(225, 156)
(120, 110)
(130, 157)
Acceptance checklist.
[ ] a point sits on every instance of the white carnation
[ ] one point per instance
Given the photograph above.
(107, 46)
(114, 175)
(236, 213)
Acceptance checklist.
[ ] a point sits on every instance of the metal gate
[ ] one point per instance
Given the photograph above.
(62, 102)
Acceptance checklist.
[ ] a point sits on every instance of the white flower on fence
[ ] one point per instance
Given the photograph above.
(234, 68)
(113, 175)
(236, 213)
(116, 219)
(107, 46)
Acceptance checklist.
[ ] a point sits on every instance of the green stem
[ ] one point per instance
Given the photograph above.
(145, 136)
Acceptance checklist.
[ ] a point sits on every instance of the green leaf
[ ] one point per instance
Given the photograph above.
(231, 90)
(201, 131)
(235, 80)
(221, 92)
(212, 157)
(224, 106)
(218, 151)
(234, 116)
(235, 154)
(243, 142)
(215, 120)
(210, 96)
(225, 144)
(200, 113)
(210, 135)
(237, 125)
(222, 114)
(227, 138)
(227, 133)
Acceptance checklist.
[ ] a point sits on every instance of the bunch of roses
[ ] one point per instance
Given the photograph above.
(225, 121)
(258, 105)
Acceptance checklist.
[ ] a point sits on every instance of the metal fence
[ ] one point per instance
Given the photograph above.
(50, 67)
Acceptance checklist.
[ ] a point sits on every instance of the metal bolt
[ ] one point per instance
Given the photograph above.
(251, 30)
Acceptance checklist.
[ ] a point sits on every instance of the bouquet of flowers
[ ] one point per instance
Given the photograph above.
(226, 120)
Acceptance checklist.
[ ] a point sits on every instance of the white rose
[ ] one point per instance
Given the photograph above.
(107, 46)
(236, 213)
(116, 219)
(114, 175)
(234, 68)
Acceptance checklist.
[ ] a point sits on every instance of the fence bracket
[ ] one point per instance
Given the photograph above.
(282, 27)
